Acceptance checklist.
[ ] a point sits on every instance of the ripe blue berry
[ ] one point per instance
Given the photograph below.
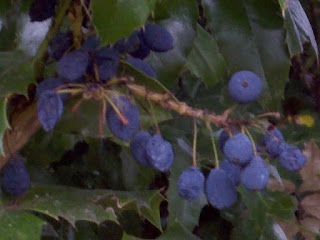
(220, 190)
(50, 84)
(291, 157)
(160, 153)
(232, 170)
(73, 65)
(138, 148)
(123, 131)
(121, 45)
(142, 66)
(245, 87)
(107, 60)
(255, 175)
(272, 141)
(136, 46)
(59, 44)
(191, 183)
(238, 149)
(16, 179)
(41, 10)
(50, 107)
(91, 43)
(223, 138)
(157, 38)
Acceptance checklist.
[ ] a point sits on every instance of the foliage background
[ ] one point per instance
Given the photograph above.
(86, 188)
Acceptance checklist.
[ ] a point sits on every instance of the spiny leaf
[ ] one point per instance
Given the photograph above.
(205, 60)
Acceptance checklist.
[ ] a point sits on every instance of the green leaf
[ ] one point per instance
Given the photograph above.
(182, 211)
(50, 147)
(250, 36)
(128, 237)
(179, 18)
(146, 203)
(15, 73)
(72, 204)
(298, 27)
(177, 231)
(4, 124)
(115, 19)
(205, 60)
(20, 225)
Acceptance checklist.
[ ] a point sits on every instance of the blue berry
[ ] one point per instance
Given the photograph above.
(160, 153)
(255, 175)
(138, 148)
(73, 65)
(50, 84)
(191, 183)
(121, 46)
(291, 157)
(224, 136)
(16, 179)
(107, 60)
(50, 108)
(142, 66)
(220, 190)
(136, 46)
(91, 43)
(157, 38)
(272, 141)
(238, 149)
(41, 10)
(232, 170)
(245, 87)
(59, 44)
(121, 130)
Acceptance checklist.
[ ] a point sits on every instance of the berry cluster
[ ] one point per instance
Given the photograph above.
(243, 163)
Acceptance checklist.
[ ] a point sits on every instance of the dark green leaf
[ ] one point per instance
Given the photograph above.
(177, 231)
(15, 72)
(179, 18)
(118, 18)
(127, 237)
(69, 203)
(19, 225)
(299, 29)
(250, 36)
(205, 60)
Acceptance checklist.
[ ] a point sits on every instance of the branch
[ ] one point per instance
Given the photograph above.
(40, 58)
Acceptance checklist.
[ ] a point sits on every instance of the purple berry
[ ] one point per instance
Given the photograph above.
(41, 10)
(142, 66)
(232, 170)
(191, 183)
(245, 87)
(291, 157)
(138, 148)
(157, 38)
(272, 141)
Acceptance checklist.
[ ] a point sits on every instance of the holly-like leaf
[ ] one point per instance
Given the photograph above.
(205, 60)
(250, 36)
(15, 73)
(146, 203)
(299, 29)
(177, 231)
(20, 225)
(310, 205)
(118, 18)
(4, 124)
(310, 173)
(179, 18)
(69, 203)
